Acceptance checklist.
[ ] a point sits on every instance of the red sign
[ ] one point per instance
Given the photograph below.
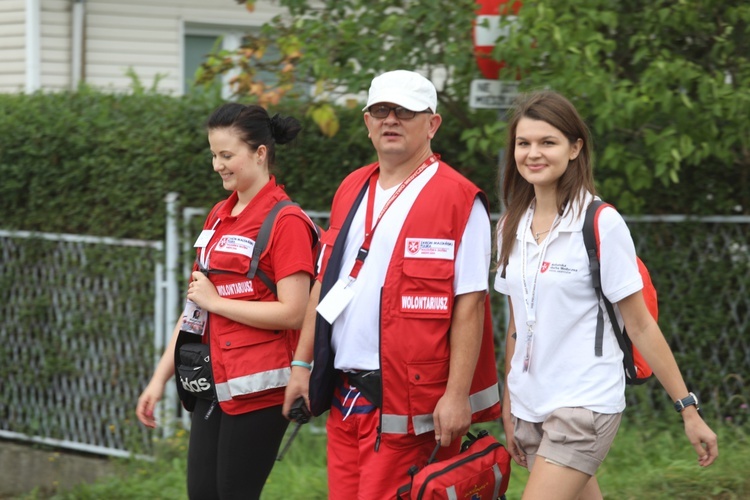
(487, 30)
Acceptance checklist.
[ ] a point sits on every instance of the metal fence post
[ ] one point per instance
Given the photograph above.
(171, 259)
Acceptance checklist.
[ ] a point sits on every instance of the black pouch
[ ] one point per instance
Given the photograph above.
(369, 384)
(193, 371)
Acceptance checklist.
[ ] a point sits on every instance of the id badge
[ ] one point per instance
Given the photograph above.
(335, 301)
(193, 318)
(204, 238)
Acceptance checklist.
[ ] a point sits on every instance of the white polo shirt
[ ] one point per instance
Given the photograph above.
(563, 370)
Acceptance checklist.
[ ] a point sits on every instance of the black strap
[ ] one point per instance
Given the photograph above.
(333, 267)
(589, 240)
(261, 242)
(323, 376)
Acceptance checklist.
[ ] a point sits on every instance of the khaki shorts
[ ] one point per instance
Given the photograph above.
(572, 437)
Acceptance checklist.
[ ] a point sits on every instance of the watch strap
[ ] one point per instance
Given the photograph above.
(690, 400)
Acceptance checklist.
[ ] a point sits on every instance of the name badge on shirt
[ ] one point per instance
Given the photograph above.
(235, 244)
(204, 238)
(335, 301)
(428, 248)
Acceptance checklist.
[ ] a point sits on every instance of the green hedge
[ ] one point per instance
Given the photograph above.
(94, 163)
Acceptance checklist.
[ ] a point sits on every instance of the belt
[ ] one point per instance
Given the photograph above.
(369, 384)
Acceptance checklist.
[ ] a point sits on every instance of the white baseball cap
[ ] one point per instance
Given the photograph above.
(404, 88)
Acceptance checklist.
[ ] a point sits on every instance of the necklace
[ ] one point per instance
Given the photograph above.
(539, 235)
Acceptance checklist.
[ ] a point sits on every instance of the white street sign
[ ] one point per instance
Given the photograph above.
(492, 94)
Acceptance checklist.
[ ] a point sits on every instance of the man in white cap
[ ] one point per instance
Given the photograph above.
(398, 323)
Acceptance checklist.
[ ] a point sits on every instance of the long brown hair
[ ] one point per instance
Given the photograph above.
(517, 194)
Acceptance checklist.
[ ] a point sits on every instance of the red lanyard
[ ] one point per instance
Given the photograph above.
(365, 248)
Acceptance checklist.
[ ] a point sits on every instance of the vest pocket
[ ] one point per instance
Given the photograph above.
(426, 291)
(427, 381)
(252, 360)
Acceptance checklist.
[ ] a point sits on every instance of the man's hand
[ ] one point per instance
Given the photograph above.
(298, 386)
(452, 418)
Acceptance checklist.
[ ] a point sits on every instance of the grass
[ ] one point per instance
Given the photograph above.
(652, 460)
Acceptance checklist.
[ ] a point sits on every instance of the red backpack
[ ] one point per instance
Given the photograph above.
(637, 370)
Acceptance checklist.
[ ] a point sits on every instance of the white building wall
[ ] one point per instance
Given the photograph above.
(56, 44)
(147, 37)
(12, 45)
(143, 36)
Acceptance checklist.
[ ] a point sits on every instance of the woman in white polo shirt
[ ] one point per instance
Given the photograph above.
(562, 404)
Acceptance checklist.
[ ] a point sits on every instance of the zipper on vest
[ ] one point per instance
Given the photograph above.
(380, 362)
(210, 409)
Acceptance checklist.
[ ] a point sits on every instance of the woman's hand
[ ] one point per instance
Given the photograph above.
(510, 442)
(701, 436)
(147, 403)
(202, 291)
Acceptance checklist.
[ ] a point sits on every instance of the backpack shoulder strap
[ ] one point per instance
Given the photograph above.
(592, 250)
(591, 242)
(261, 242)
(589, 229)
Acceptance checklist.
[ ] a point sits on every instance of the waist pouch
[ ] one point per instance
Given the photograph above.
(369, 384)
(193, 372)
(481, 470)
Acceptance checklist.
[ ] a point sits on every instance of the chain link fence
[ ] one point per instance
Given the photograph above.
(83, 322)
(76, 339)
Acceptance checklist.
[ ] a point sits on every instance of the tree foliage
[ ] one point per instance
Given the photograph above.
(663, 84)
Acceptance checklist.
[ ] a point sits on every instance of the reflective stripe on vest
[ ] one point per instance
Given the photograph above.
(395, 424)
(250, 384)
(484, 399)
(399, 424)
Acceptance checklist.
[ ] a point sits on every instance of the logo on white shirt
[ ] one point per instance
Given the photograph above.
(427, 248)
(557, 268)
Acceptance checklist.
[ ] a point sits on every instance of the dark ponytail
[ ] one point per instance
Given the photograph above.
(255, 127)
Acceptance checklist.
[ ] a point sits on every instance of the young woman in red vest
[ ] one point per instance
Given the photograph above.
(252, 330)
(562, 404)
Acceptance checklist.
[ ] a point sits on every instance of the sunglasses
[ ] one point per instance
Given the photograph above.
(382, 111)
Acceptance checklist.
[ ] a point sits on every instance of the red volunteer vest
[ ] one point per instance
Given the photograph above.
(417, 304)
(250, 365)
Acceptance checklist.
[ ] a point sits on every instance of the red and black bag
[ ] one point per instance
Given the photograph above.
(480, 470)
(637, 371)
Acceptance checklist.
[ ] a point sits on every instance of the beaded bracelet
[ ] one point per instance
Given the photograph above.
(302, 364)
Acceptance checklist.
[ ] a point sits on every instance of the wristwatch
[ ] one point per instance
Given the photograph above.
(683, 403)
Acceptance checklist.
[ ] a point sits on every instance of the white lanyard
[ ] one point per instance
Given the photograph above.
(530, 295)
(203, 241)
